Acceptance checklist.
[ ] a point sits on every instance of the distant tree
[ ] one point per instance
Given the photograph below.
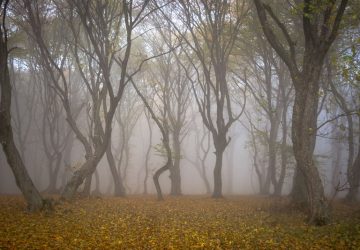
(343, 75)
(126, 117)
(148, 150)
(202, 149)
(270, 86)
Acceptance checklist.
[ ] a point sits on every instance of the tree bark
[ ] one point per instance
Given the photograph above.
(354, 177)
(304, 120)
(298, 193)
(217, 193)
(220, 145)
(175, 169)
(119, 187)
(156, 179)
(86, 171)
(283, 151)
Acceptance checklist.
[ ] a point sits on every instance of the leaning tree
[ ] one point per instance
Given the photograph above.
(13, 157)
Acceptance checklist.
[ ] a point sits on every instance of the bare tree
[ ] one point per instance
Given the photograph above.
(126, 116)
(162, 123)
(94, 27)
(202, 150)
(147, 155)
(211, 29)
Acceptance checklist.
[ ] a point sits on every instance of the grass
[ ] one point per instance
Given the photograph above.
(188, 222)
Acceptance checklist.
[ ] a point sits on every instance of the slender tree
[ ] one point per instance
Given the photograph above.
(211, 29)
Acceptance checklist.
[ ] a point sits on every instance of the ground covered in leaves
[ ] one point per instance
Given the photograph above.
(187, 222)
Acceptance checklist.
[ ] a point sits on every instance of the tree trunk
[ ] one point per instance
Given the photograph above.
(175, 169)
(231, 166)
(156, 179)
(205, 149)
(67, 160)
(274, 125)
(354, 177)
(205, 179)
(97, 184)
(119, 187)
(87, 186)
(217, 193)
(298, 192)
(23, 180)
(265, 186)
(78, 177)
(284, 154)
(147, 156)
(304, 137)
(53, 175)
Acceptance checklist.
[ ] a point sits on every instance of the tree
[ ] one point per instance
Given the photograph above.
(173, 90)
(271, 90)
(32, 196)
(95, 54)
(211, 29)
(127, 116)
(162, 123)
(342, 76)
(321, 22)
(148, 150)
(203, 143)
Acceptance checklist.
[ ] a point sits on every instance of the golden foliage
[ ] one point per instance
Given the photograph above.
(177, 223)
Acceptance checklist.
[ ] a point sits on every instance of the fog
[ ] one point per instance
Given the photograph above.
(177, 98)
(239, 176)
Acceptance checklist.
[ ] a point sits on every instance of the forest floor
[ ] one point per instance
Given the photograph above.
(187, 222)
